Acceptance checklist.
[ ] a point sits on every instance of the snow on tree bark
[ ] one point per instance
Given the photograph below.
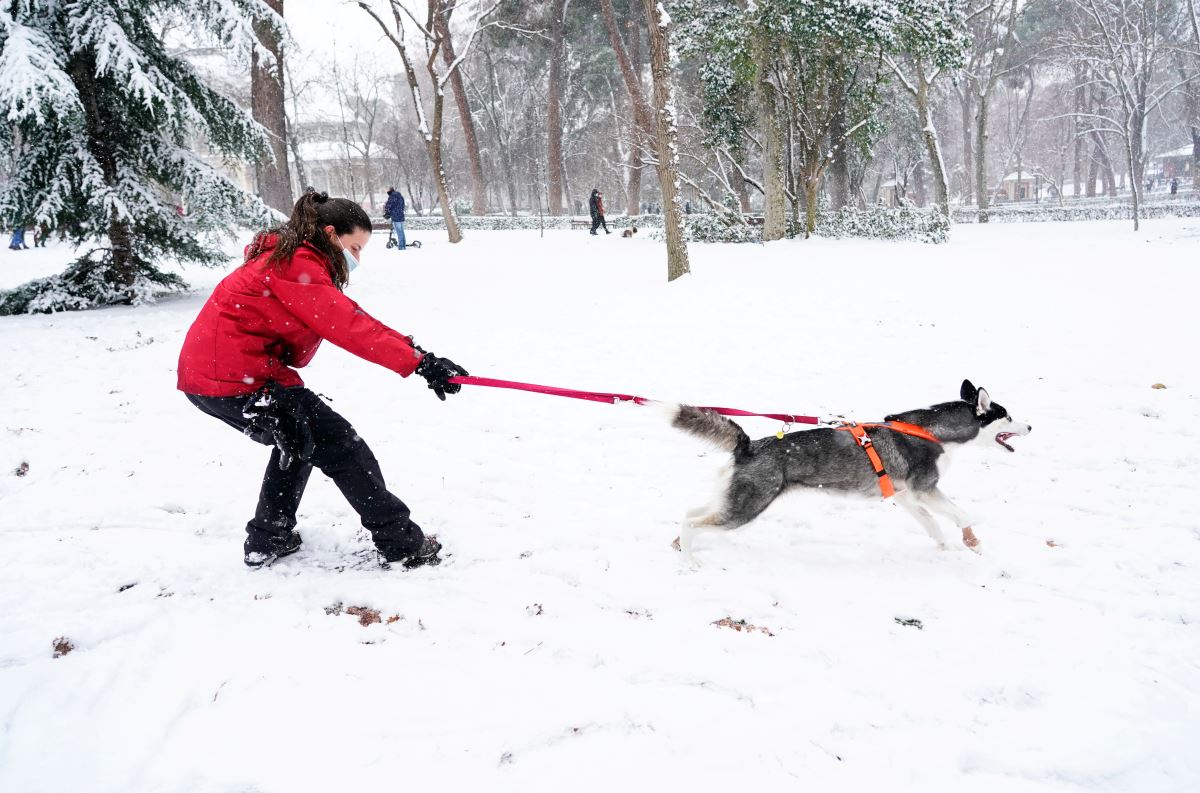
(666, 137)
(267, 105)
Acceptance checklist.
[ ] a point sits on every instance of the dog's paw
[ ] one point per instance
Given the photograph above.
(675, 544)
(970, 540)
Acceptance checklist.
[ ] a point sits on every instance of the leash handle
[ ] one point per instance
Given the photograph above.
(613, 398)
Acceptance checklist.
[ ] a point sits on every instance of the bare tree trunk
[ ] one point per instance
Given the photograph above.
(775, 196)
(1196, 159)
(1077, 128)
(740, 187)
(933, 146)
(839, 166)
(1194, 18)
(967, 106)
(668, 157)
(642, 122)
(812, 185)
(643, 128)
(633, 188)
(502, 142)
(554, 153)
(266, 105)
(1106, 169)
(478, 184)
(1093, 172)
(1135, 134)
(981, 136)
(121, 269)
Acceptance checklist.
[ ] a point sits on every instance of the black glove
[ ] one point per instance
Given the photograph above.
(437, 372)
(275, 417)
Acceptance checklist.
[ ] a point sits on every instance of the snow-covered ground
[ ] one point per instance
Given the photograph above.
(564, 646)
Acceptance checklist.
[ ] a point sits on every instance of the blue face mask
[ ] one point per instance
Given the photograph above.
(351, 262)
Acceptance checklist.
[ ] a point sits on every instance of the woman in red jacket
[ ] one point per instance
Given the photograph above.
(238, 364)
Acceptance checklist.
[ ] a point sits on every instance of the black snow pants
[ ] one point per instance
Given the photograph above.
(331, 445)
(597, 222)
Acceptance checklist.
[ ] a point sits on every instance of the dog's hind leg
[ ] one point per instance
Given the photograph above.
(748, 494)
(936, 500)
(696, 522)
(906, 499)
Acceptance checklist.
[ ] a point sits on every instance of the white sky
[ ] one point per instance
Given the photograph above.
(319, 25)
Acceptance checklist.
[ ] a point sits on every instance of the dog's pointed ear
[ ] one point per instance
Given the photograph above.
(967, 392)
(983, 402)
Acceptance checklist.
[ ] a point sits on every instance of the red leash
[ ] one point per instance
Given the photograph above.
(601, 396)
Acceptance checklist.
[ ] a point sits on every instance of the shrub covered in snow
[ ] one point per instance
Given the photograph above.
(86, 283)
(883, 223)
(488, 222)
(710, 228)
(1043, 213)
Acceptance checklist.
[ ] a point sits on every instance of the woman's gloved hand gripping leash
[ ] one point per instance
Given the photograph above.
(438, 371)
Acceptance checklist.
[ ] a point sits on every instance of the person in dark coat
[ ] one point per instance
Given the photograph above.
(238, 364)
(393, 210)
(1174, 185)
(596, 207)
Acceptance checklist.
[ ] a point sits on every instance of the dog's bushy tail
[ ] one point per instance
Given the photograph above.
(712, 427)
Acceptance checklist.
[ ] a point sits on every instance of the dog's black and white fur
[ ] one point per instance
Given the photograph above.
(832, 459)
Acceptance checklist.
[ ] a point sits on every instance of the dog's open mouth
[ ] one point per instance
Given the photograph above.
(1001, 437)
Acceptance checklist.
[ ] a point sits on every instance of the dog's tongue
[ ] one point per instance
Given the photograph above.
(1001, 437)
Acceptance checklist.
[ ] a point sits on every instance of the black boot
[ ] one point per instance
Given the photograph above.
(263, 549)
(427, 554)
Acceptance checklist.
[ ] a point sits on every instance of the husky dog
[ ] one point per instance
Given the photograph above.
(629, 232)
(833, 459)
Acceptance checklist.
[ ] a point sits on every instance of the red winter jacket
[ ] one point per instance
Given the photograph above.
(260, 321)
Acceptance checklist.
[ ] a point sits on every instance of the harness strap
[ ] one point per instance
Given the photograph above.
(864, 440)
(859, 431)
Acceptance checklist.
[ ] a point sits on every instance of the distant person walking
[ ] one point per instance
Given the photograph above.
(1174, 185)
(596, 207)
(17, 243)
(393, 210)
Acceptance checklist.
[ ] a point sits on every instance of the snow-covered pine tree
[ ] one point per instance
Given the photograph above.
(99, 113)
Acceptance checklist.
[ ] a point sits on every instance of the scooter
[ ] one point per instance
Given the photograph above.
(391, 242)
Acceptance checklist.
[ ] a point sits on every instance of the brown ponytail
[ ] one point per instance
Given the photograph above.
(311, 214)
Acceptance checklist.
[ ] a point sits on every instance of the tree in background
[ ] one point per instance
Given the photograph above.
(554, 125)
(925, 56)
(479, 204)
(812, 67)
(435, 37)
(662, 59)
(267, 105)
(993, 28)
(1125, 46)
(100, 115)
(629, 59)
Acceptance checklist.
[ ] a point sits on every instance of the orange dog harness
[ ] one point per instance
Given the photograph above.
(859, 431)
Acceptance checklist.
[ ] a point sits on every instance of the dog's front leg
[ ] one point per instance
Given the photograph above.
(905, 499)
(936, 500)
